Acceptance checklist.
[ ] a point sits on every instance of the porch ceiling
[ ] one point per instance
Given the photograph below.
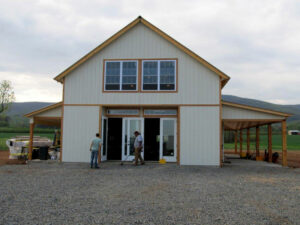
(237, 124)
(48, 121)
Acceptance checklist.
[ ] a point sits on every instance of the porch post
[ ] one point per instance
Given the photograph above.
(284, 146)
(241, 142)
(248, 141)
(270, 142)
(235, 141)
(257, 141)
(30, 146)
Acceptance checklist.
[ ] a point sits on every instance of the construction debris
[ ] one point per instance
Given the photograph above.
(18, 146)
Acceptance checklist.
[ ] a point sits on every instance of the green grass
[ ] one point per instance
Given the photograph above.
(293, 142)
(25, 130)
(5, 136)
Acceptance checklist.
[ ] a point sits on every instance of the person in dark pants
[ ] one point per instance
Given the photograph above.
(138, 147)
(95, 149)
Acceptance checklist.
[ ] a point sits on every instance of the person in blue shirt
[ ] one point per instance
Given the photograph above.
(94, 149)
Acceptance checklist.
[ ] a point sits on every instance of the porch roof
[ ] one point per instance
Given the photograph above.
(50, 115)
(237, 116)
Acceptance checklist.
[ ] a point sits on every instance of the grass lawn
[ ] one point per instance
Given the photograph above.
(293, 142)
(5, 136)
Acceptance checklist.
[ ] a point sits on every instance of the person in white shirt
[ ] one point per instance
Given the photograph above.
(138, 147)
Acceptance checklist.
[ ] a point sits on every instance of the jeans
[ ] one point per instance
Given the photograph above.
(94, 157)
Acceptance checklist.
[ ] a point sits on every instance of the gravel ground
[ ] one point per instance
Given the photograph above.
(243, 192)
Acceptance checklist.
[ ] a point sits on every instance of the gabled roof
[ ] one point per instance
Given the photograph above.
(49, 107)
(247, 107)
(138, 20)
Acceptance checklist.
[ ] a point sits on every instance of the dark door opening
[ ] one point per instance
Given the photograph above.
(151, 140)
(114, 142)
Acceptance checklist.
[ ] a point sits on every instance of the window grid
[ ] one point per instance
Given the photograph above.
(158, 75)
(139, 76)
(121, 75)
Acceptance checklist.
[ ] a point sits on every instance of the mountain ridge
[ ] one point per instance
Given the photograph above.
(19, 109)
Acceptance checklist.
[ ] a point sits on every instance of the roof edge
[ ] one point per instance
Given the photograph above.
(96, 50)
(53, 106)
(140, 19)
(185, 49)
(242, 106)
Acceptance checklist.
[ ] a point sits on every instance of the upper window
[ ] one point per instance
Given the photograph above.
(120, 76)
(159, 75)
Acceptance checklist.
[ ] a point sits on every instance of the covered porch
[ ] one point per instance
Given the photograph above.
(240, 118)
(49, 116)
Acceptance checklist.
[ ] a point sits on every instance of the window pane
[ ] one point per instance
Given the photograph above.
(123, 111)
(167, 75)
(135, 125)
(129, 87)
(129, 83)
(150, 68)
(167, 79)
(129, 74)
(112, 77)
(168, 137)
(112, 87)
(129, 79)
(150, 75)
(160, 112)
(112, 68)
(150, 79)
(126, 135)
(129, 68)
(167, 87)
(167, 68)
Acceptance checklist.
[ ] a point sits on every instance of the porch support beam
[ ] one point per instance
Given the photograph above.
(270, 142)
(235, 141)
(248, 141)
(257, 141)
(30, 146)
(284, 145)
(241, 142)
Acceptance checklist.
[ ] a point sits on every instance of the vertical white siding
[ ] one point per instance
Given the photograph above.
(199, 136)
(196, 83)
(81, 123)
(56, 112)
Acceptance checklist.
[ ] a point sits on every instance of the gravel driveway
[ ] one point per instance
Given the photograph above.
(242, 192)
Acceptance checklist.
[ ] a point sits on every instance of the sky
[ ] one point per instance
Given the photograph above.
(256, 43)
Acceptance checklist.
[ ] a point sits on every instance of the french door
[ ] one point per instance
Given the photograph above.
(104, 138)
(168, 139)
(130, 125)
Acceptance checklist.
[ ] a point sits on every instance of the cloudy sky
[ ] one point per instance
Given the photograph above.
(257, 43)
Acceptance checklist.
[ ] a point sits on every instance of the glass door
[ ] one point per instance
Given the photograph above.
(130, 125)
(104, 138)
(168, 139)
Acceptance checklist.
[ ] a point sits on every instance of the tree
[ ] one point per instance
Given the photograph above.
(7, 95)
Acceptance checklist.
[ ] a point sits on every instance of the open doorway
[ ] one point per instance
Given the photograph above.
(151, 139)
(114, 142)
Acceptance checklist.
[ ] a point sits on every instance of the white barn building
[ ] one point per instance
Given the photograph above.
(142, 79)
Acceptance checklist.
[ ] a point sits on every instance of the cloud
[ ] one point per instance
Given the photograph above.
(254, 42)
(33, 87)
